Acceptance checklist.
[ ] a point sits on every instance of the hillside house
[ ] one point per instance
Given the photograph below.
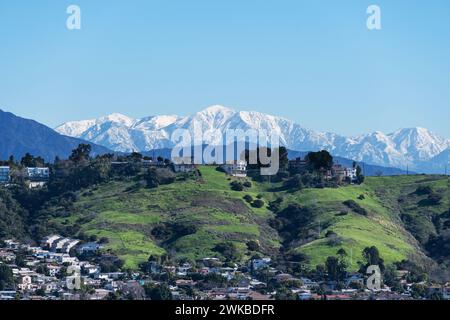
(354, 278)
(236, 168)
(89, 248)
(342, 173)
(257, 264)
(47, 242)
(37, 177)
(60, 244)
(183, 164)
(25, 283)
(12, 244)
(4, 174)
(153, 163)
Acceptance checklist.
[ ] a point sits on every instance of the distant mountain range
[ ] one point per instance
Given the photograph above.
(19, 136)
(416, 148)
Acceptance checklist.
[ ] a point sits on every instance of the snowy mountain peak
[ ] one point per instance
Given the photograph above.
(420, 141)
(117, 118)
(411, 146)
(216, 109)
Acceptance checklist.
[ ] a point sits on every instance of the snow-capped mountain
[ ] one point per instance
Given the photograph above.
(413, 147)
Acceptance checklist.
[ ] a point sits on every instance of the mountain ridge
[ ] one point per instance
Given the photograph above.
(20, 135)
(409, 147)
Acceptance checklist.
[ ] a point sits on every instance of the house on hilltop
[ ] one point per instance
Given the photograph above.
(183, 164)
(342, 173)
(236, 168)
(37, 177)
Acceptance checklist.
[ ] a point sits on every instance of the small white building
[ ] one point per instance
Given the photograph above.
(38, 177)
(38, 174)
(341, 172)
(25, 283)
(57, 243)
(236, 168)
(260, 263)
(47, 242)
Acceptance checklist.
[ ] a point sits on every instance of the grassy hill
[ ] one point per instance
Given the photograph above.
(140, 222)
(127, 215)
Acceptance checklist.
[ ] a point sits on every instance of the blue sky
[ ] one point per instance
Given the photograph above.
(314, 62)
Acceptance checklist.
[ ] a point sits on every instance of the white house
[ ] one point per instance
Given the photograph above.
(260, 263)
(342, 172)
(236, 168)
(351, 173)
(47, 242)
(38, 174)
(69, 245)
(38, 177)
(25, 283)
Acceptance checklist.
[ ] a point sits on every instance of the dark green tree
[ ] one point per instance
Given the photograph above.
(6, 277)
(320, 160)
(81, 153)
(336, 269)
(372, 257)
(158, 292)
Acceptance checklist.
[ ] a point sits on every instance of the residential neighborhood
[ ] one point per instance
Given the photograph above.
(52, 270)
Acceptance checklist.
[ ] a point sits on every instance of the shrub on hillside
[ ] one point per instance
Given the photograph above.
(247, 184)
(237, 186)
(423, 190)
(252, 245)
(258, 203)
(155, 177)
(433, 200)
(294, 183)
(353, 205)
(342, 213)
(228, 250)
(293, 222)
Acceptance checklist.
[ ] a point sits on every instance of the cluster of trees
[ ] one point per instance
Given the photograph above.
(256, 203)
(169, 232)
(228, 250)
(24, 212)
(12, 217)
(6, 278)
(313, 175)
(155, 177)
(293, 223)
(353, 205)
(237, 185)
(336, 267)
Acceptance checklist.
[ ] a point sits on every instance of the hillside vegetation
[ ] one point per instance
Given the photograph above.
(298, 218)
(191, 217)
(187, 218)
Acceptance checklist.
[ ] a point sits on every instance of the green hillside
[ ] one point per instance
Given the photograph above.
(188, 218)
(128, 215)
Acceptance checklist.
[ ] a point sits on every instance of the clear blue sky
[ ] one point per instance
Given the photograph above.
(314, 62)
